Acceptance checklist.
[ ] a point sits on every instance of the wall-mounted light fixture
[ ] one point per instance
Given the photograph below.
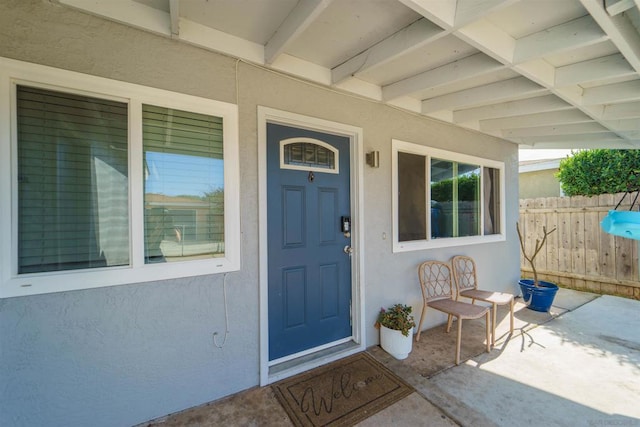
(373, 159)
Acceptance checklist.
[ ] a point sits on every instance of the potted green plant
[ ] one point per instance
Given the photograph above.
(538, 295)
(396, 330)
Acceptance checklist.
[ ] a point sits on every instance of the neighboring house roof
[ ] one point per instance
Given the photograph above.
(543, 74)
(537, 178)
(538, 165)
(175, 201)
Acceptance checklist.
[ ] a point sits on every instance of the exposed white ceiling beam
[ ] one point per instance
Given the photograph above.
(573, 34)
(573, 139)
(488, 94)
(442, 12)
(404, 41)
(615, 7)
(157, 21)
(495, 42)
(606, 67)
(209, 38)
(621, 31)
(541, 72)
(298, 20)
(174, 13)
(488, 38)
(360, 87)
(571, 129)
(630, 134)
(471, 66)
(538, 70)
(625, 110)
(537, 104)
(307, 70)
(538, 107)
(525, 55)
(538, 119)
(131, 13)
(613, 93)
(408, 103)
(471, 10)
(620, 144)
(623, 125)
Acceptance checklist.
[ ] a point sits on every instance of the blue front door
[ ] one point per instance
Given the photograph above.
(308, 200)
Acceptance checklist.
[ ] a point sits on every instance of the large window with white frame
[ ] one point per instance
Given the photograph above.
(106, 183)
(443, 198)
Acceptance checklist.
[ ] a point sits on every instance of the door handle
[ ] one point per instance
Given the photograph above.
(348, 250)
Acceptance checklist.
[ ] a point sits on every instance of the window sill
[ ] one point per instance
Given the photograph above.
(419, 245)
(42, 283)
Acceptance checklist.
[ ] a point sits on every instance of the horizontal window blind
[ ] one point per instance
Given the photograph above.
(181, 132)
(72, 181)
(184, 185)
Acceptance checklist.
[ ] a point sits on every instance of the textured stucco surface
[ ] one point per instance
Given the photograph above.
(390, 277)
(539, 184)
(126, 354)
(120, 353)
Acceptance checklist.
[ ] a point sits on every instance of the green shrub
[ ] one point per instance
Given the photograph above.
(397, 317)
(468, 187)
(600, 171)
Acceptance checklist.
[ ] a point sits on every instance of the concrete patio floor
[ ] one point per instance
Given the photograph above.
(577, 365)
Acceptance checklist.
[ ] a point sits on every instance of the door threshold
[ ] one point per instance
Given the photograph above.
(300, 364)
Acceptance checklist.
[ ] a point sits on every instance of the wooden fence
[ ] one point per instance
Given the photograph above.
(579, 255)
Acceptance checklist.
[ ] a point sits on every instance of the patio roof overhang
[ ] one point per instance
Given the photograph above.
(539, 73)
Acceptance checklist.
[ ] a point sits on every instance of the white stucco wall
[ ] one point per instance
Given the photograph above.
(126, 354)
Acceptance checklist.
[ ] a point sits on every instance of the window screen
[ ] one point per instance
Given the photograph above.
(412, 197)
(72, 181)
(183, 185)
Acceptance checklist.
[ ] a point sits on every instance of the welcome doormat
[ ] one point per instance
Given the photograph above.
(341, 393)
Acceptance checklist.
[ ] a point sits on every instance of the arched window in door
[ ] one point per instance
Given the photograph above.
(308, 154)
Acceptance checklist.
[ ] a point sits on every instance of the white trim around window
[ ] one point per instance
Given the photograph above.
(428, 241)
(16, 73)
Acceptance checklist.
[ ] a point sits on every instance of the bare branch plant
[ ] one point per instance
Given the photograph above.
(536, 250)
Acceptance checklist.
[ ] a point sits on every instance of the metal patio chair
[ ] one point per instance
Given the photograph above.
(464, 276)
(437, 293)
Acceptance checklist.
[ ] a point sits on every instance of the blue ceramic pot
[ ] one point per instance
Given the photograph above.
(538, 298)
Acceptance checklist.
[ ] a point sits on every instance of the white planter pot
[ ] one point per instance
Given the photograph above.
(396, 344)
